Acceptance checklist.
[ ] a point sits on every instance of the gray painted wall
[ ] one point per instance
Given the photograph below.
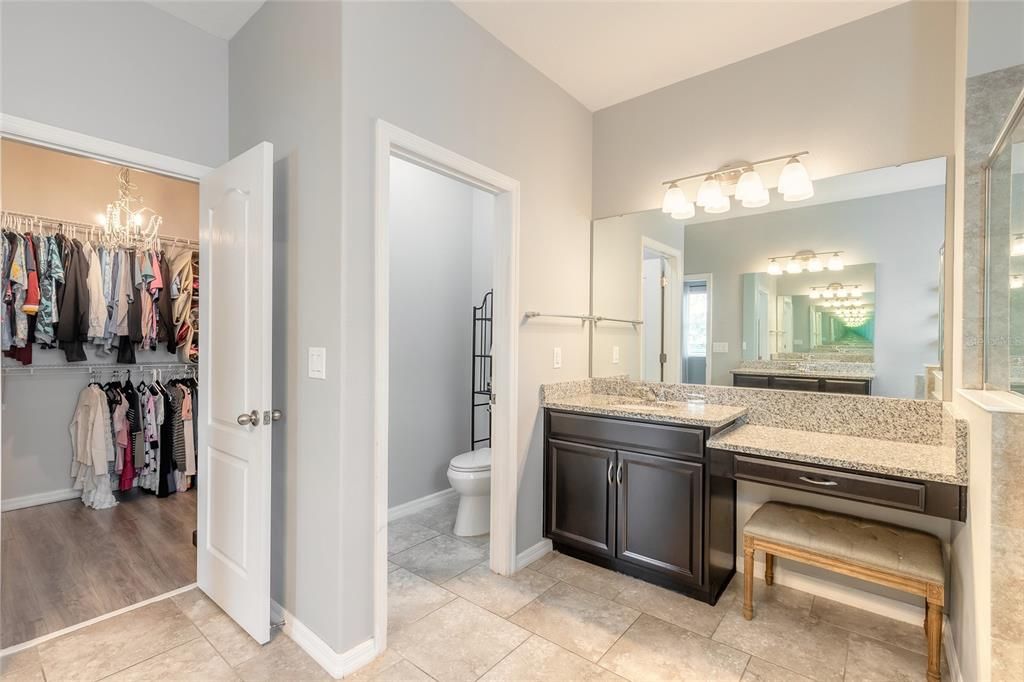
(428, 68)
(285, 87)
(438, 263)
(77, 65)
(871, 93)
(900, 233)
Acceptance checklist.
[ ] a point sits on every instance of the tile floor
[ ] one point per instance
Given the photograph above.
(559, 619)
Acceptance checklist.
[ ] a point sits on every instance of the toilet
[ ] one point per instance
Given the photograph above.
(470, 476)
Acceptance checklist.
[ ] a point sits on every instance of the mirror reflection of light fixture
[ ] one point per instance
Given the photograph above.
(774, 268)
(1017, 245)
(850, 293)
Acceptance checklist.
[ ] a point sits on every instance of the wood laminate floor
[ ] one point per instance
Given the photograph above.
(64, 563)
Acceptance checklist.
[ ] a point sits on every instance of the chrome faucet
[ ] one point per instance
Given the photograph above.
(654, 393)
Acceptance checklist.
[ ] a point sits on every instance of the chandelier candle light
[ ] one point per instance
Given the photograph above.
(128, 222)
(743, 182)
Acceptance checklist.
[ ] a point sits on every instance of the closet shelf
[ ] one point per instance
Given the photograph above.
(98, 368)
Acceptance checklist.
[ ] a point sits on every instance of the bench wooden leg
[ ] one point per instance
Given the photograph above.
(769, 568)
(748, 583)
(934, 619)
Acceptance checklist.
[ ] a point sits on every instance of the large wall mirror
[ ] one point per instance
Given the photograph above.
(842, 292)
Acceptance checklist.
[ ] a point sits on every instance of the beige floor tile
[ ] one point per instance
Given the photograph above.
(589, 577)
(763, 594)
(393, 566)
(405, 533)
(538, 660)
(116, 643)
(580, 621)
(411, 597)
(440, 558)
(673, 607)
(23, 666)
(196, 660)
(497, 593)
(282, 659)
(1007, 660)
(759, 670)
(403, 671)
(476, 540)
(543, 561)
(869, 624)
(652, 649)
(870, 660)
(459, 641)
(226, 636)
(786, 636)
(440, 517)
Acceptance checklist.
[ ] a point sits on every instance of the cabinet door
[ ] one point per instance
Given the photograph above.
(660, 514)
(581, 496)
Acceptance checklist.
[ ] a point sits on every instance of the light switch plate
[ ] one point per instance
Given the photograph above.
(317, 363)
(556, 358)
(720, 347)
(615, 355)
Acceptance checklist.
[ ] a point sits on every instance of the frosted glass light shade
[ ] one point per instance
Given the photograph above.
(720, 206)
(794, 182)
(794, 267)
(835, 263)
(1017, 245)
(675, 201)
(757, 200)
(749, 187)
(1017, 281)
(856, 293)
(688, 212)
(814, 295)
(815, 265)
(774, 268)
(709, 193)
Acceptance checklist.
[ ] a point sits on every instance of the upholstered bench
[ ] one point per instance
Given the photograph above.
(882, 553)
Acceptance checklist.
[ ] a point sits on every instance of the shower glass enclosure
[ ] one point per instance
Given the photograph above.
(1004, 290)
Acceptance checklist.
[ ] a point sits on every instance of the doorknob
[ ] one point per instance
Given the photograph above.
(272, 416)
(250, 419)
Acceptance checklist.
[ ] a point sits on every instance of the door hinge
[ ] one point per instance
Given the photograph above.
(663, 358)
(664, 282)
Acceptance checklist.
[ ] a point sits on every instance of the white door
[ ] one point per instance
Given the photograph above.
(235, 224)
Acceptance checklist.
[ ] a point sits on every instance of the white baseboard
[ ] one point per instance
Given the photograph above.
(419, 504)
(952, 659)
(528, 556)
(13, 503)
(851, 596)
(337, 665)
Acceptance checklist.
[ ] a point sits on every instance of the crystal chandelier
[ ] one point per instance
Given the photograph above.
(128, 222)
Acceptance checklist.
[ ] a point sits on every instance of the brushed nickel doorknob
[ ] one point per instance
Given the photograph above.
(250, 419)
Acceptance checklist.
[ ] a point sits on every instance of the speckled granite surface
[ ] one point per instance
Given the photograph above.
(830, 370)
(882, 423)
(911, 460)
(663, 411)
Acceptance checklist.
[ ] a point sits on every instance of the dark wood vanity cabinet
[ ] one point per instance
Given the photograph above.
(638, 498)
(794, 383)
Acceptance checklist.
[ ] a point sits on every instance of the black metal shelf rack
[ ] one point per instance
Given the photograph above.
(483, 321)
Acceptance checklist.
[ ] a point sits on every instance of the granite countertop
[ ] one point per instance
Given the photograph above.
(661, 411)
(909, 460)
(811, 374)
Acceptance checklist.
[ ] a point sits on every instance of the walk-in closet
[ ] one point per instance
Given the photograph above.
(101, 341)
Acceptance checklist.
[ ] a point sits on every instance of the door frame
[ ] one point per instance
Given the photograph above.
(672, 312)
(101, 149)
(394, 141)
(708, 279)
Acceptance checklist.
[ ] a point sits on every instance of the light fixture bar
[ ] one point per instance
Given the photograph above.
(736, 167)
(806, 253)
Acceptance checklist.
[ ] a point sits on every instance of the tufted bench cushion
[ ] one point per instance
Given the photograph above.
(867, 543)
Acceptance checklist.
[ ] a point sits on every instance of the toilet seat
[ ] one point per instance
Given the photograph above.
(472, 462)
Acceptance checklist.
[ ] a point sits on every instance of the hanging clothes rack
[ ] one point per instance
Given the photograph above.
(28, 222)
(188, 367)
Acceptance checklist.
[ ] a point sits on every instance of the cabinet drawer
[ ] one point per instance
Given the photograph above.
(795, 384)
(851, 386)
(899, 494)
(618, 433)
(751, 381)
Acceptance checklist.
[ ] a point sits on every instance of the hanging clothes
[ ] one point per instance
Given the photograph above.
(73, 326)
(92, 447)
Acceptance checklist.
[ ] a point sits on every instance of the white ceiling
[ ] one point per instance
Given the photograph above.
(221, 18)
(603, 53)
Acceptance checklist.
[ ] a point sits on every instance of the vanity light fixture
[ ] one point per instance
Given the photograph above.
(774, 268)
(1017, 281)
(835, 263)
(1017, 245)
(742, 181)
(794, 267)
(677, 204)
(815, 265)
(837, 290)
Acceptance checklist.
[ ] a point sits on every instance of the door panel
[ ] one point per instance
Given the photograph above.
(581, 498)
(233, 534)
(660, 514)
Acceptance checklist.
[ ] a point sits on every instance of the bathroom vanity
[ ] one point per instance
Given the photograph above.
(648, 487)
(746, 378)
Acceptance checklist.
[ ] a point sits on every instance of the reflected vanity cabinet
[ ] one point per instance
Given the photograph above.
(638, 498)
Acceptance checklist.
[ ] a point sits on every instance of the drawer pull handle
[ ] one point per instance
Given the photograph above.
(817, 481)
(611, 465)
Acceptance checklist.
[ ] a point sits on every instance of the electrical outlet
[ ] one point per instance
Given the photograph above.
(615, 355)
(556, 358)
